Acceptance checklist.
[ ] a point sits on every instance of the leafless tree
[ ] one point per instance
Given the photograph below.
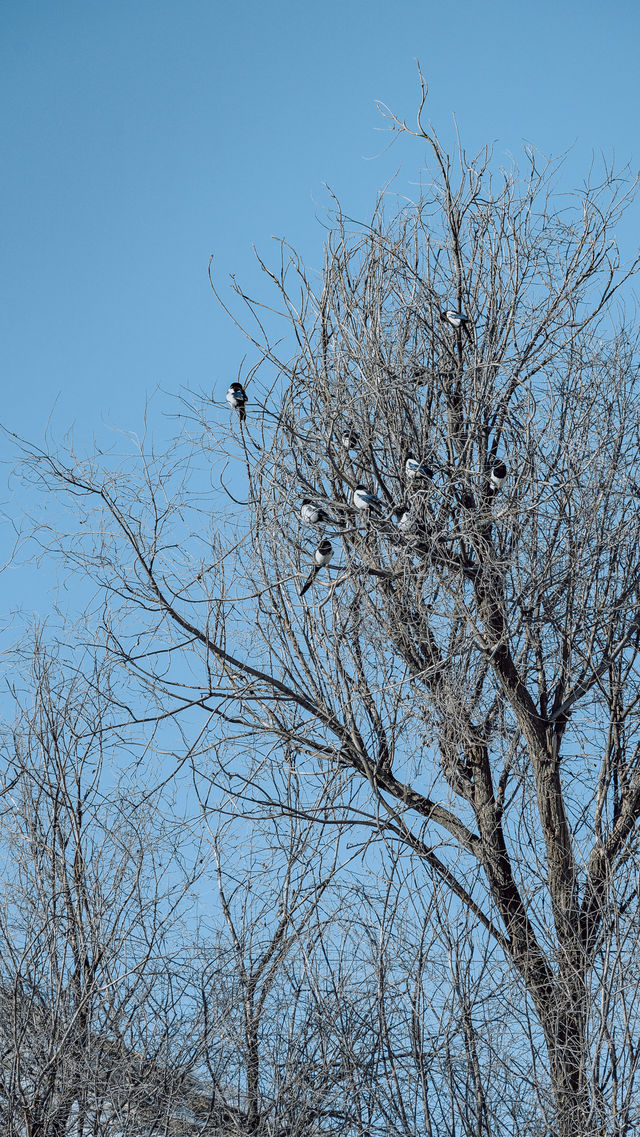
(328, 1007)
(125, 1010)
(274, 1066)
(461, 681)
(94, 1024)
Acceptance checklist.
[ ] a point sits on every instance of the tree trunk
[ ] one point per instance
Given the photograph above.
(564, 1025)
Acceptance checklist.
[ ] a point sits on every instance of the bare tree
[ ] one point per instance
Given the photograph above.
(461, 679)
(95, 1009)
(124, 1010)
(274, 1065)
(328, 1007)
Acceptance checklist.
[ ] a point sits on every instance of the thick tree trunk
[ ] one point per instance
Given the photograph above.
(564, 1025)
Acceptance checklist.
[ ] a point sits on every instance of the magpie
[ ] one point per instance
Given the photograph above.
(405, 518)
(362, 499)
(350, 438)
(322, 556)
(313, 514)
(455, 319)
(407, 524)
(237, 399)
(413, 468)
(497, 476)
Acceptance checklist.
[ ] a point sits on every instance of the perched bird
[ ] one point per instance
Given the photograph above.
(362, 499)
(413, 468)
(405, 518)
(455, 319)
(497, 476)
(322, 556)
(237, 399)
(312, 513)
(450, 316)
(350, 438)
(411, 529)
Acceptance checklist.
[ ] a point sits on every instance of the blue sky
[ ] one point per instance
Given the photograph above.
(139, 136)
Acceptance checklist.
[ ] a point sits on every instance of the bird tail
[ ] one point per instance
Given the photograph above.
(309, 581)
(242, 412)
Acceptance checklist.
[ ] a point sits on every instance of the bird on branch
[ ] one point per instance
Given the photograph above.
(350, 438)
(237, 400)
(416, 470)
(322, 556)
(497, 476)
(312, 513)
(364, 500)
(455, 320)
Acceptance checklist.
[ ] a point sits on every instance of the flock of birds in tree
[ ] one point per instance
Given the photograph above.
(416, 472)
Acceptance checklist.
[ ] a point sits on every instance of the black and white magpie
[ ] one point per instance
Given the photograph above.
(455, 319)
(312, 513)
(414, 531)
(497, 476)
(405, 518)
(414, 469)
(237, 399)
(450, 316)
(350, 438)
(322, 556)
(362, 499)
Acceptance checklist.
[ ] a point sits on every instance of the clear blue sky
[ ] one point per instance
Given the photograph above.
(139, 136)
